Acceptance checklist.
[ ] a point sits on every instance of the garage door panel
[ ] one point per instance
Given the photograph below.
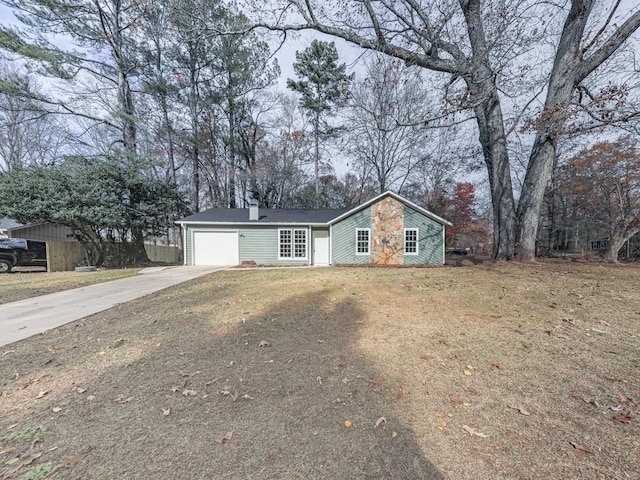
(215, 248)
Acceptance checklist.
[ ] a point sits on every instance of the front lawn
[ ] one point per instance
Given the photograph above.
(26, 283)
(479, 372)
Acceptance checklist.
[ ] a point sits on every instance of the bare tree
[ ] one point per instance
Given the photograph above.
(492, 52)
(386, 134)
(27, 135)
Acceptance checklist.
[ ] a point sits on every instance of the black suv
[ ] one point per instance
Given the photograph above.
(18, 252)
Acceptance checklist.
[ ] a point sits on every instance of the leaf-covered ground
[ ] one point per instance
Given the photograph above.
(484, 372)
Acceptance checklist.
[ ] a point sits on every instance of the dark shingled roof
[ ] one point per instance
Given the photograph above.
(267, 215)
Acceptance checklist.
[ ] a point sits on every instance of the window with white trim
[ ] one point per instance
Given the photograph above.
(411, 241)
(363, 241)
(292, 243)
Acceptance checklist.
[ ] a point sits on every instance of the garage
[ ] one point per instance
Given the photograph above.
(215, 248)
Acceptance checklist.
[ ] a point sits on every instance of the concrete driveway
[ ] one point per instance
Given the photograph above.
(22, 319)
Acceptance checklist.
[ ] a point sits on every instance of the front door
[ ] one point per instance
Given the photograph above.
(320, 247)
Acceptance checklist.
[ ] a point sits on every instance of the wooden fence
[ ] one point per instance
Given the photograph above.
(66, 256)
(160, 253)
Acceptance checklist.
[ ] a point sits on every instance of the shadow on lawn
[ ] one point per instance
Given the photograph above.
(283, 382)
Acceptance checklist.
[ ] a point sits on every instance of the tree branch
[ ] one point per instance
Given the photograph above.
(609, 47)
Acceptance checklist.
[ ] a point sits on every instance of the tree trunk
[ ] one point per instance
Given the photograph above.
(562, 84)
(195, 151)
(480, 80)
(619, 236)
(494, 148)
(316, 158)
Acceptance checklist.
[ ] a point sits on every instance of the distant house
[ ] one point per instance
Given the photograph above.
(387, 230)
(600, 244)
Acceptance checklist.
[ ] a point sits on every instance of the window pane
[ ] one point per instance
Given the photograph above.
(411, 241)
(300, 245)
(285, 243)
(362, 241)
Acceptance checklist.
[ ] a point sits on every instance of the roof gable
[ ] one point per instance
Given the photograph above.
(397, 197)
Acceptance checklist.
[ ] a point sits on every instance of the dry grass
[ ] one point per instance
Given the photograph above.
(29, 282)
(543, 359)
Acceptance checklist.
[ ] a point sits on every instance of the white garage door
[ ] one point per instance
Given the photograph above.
(215, 248)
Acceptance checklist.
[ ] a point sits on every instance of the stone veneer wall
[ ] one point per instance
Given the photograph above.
(387, 232)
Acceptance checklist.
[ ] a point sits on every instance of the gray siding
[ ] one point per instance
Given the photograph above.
(260, 244)
(343, 238)
(430, 250)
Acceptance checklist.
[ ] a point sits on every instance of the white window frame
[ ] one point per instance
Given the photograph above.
(417, 240)
(368, 230)
(293, 244)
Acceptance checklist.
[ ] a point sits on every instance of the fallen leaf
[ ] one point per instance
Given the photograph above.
(42, 394)
(379, 421)
(394, 434)
(91, 398)
(623, 418)
(454, 399)
(69, 462)
(426, 357)
(520, 409)
(222, 437)
(20, 462)
(472, 431)
(468, 373)
(166, 412)
(180, 386)
(466, 404)
(347, 423)
(472, 391)
(582, 448)
(56, 409)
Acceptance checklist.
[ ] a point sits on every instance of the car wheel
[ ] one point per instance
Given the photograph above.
(5, 266)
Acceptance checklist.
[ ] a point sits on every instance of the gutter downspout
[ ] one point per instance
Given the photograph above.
(331, 244)
(184, 242)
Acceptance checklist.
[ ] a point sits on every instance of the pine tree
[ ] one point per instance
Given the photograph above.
(323, 85)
